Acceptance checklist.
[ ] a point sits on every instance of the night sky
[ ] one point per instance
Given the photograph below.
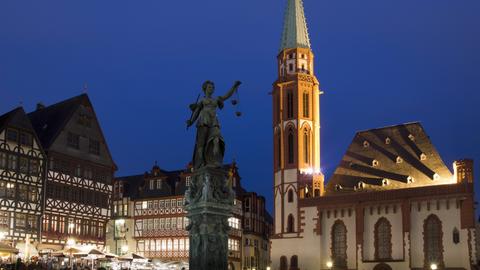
(379, 63)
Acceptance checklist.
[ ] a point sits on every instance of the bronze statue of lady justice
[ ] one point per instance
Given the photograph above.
(209, 144)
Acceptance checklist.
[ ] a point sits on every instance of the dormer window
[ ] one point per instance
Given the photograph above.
(399, 160)
(375, 163)
(387, 140)
(159, 184)
(423, 156)
(152, 184)
(94, 147)
(411, 137)
(410, 179)
(436, 176)
(366, 144)
(385, 182)
(73, 140)
(338, 187)
(360, 185)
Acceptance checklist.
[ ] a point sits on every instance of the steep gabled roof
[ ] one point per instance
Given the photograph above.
(394, 157)
(49, 121)
(295, 32)
(16, 118)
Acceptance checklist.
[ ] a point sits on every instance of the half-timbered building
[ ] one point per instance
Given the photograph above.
(149, 216)
(79, 173)
(21, 178)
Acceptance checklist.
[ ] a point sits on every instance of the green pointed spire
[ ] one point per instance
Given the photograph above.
(295, 33)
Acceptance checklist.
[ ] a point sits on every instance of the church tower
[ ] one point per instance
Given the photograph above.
(296, 123)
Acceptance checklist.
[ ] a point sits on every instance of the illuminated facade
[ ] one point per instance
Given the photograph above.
(149, 218)
(390, 204)
(21, 178)
(55, 176)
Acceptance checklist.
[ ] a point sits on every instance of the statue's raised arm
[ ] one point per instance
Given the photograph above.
(231, 91)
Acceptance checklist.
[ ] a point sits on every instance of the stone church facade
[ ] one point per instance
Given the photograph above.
(391, 203)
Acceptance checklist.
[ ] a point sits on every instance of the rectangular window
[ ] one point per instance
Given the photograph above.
(4, 220)
(179, 223)
(10, 190)
(73, 140)
(33, 169)
(94, 147)
(23, 165)
(187, 180)
(152, 184)
(12, 162)
(12, 135)
(3, 160)
(174, 223)
(167, 223)
(20, 220)
(162, 224)
(26, 139)
(159, 184)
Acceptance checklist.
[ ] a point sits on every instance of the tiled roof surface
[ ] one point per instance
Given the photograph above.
(387, 158)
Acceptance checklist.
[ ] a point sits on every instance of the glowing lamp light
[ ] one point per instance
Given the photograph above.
(329, 264)
(268, 267)
(71, 241)
(124, 248)
(71, 225)
(2, 235)
(433, 266)
(120, 221)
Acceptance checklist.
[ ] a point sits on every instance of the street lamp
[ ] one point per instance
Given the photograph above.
(268, 267)
(329, 265)
(433, 266)
(70, 242)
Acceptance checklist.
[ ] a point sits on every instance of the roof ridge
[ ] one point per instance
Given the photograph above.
(390, 126)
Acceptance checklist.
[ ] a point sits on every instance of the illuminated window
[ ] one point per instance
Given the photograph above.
(433, 240)
(339, 244)
(383, 239)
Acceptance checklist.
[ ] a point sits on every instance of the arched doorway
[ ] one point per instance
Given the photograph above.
(382, 266)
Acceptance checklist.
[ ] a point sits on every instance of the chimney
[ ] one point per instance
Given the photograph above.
(40, 106)
(463, 170)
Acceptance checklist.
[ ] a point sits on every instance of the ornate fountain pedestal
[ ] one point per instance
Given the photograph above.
(209, 204)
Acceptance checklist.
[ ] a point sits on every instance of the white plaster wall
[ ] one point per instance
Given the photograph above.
(309, 251)
(326, 242)
(278, 204)
(290, 181)
(395, 220)
(454, 255)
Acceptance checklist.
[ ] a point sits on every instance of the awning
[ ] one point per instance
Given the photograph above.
(5, 248)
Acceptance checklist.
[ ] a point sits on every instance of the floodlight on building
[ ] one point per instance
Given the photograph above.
(433, 266)
(268, 267)
(3, 235)
(124, 248)
(329, 264)
(70, 241)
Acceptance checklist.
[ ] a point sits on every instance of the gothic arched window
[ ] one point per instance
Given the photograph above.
(290, 195)
(456, 236)
(290, 224)
(306, 146)
(290, 104)
(279, 146)
(339, 244)
(290, 147)
(432, 237)
(383, 239)
(283, 263)
(294, 262)
(306, 104)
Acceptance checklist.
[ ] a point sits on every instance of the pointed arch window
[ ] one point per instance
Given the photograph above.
(306, 104)
(290, 147)
(433, 244)
(290, 196)
(306, 146)
(339, 244)
(289, 104)
(283, 263)
(294, 262)
(279, 150)
(290, 224)
(383, 239)
(456, 236)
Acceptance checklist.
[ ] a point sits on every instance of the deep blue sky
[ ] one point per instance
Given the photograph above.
(379, 63)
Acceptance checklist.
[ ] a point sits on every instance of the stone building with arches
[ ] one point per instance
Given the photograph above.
(392, 203)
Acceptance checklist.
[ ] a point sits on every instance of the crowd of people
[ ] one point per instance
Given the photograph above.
(43, 264)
